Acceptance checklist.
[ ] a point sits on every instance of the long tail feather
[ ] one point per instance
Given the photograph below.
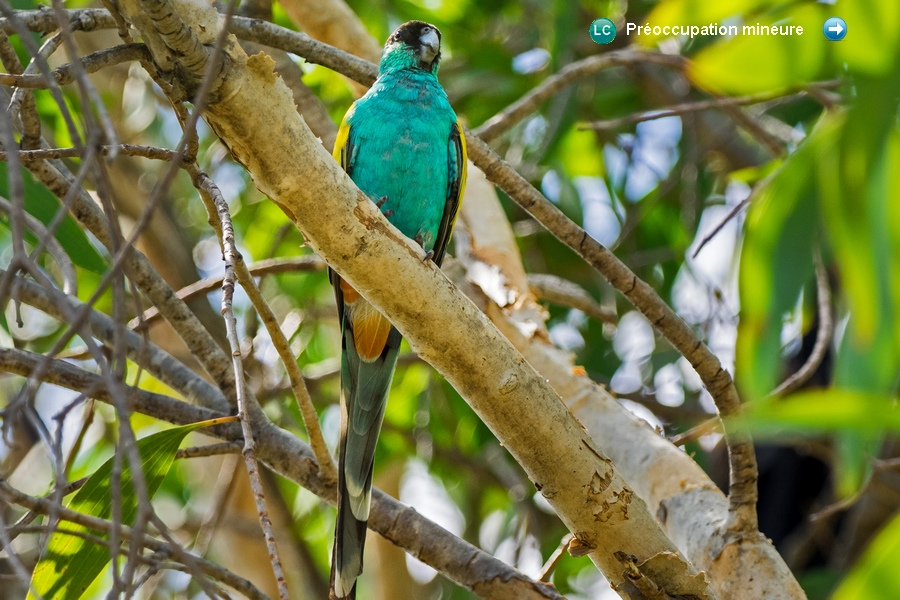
(365, 382)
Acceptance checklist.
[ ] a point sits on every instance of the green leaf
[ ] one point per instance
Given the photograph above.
(41, 204)
(872, 35)
(832, 409)
(70, 563)
(776, 262)
(748, 64)
(855, 451)
(876, 574)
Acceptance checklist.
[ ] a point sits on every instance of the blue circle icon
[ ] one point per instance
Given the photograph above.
(835, 29)
(603, 31)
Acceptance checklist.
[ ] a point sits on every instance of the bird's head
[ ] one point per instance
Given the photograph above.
(414, 45)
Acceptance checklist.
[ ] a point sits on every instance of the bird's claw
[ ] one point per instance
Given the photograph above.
(420, 241)
(380, 202)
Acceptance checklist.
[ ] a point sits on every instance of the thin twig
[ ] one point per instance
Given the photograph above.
(878, 466)
(152, 358)
(565, 293)
(824, 334)
(54, 248)
(44, 21)
(556, 557)
(209, 450)
(212, 197)
(31, 121)
(296, 264)
(313, 51)
(298, 386)
(686, 108)
(105, 150)
(217, 506)
(697, 431)
(91, 63)
(232, 256)
(718, 228)
(527, 104)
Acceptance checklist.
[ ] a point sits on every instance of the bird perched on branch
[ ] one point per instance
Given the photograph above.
(403, 146)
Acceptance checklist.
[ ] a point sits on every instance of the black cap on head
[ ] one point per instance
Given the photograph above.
(410, 32)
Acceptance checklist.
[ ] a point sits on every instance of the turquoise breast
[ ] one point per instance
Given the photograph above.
(400, 136)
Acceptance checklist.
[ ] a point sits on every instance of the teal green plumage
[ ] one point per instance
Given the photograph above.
(402, 145)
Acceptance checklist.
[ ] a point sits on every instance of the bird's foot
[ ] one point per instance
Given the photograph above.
(420, 241)
(381, 201)
(388, 213)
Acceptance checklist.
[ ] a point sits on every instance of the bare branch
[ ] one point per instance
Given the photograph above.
(54, 248)
(91, 63)
(565, 293)
(158, 362)
(697, 106)
(527, 104)
(717, 381)
(301, 44)
(718, 228)
(44, 21)
(232, 256)
(209, 450)
(204, 286)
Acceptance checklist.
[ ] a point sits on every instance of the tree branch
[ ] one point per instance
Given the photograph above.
(691, 508)
(527, 104)
(717, 381)
(232, 256)
(91, 63)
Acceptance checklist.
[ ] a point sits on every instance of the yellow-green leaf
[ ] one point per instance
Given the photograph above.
(876, 574)
(70, 564)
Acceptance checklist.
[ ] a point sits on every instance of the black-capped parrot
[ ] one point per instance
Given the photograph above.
(403, 146)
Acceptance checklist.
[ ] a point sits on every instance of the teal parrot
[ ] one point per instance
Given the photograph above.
(403, 146)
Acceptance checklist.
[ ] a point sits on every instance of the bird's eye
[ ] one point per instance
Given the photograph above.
(426, 30)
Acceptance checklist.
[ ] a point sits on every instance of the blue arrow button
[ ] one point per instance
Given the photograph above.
(835, 29)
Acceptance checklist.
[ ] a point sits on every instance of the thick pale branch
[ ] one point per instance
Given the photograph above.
(691, 508)
(718, 382)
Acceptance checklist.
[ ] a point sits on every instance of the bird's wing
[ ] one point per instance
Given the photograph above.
(457, 168)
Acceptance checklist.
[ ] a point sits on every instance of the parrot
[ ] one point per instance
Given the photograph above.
(403, 146)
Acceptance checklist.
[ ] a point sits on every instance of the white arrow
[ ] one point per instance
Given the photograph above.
(837, 29)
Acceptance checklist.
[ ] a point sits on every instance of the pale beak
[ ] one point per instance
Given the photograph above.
(431, 46)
